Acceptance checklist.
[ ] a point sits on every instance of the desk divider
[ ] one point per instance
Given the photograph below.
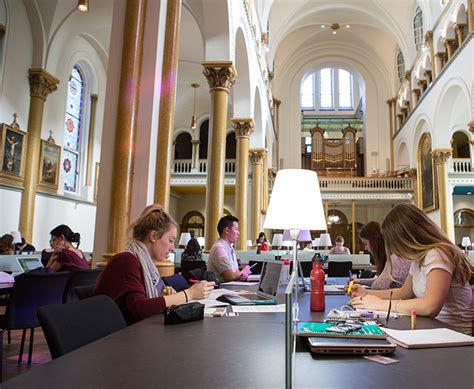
(291, 318)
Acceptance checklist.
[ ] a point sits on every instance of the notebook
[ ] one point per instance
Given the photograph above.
(334, 330)
(267, 287)
(28, 263)
(436, 337)
(352, 346)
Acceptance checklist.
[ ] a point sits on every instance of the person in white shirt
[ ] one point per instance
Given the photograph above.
(438, 281)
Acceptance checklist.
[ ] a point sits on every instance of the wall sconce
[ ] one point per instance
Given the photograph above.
(194, 118)
(83, 5)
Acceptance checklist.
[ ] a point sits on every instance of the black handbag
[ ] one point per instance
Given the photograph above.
(177, 314)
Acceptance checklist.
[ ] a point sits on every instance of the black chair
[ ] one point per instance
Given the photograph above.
(187, 266)
(68, 327)
(306, 267)
(79, 278)
(339, 269)
(257, 269)
(84, 292)
(176, 281)
(31, 291)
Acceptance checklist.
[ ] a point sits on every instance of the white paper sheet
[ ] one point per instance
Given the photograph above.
(258, 308)
(241, 283)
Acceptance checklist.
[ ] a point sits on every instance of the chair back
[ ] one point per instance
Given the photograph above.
(31, 291)
(339, 269)
(67, 327)
(176, 281)
(187, 266)
(84, 292)
(306, 267)
(79, 278)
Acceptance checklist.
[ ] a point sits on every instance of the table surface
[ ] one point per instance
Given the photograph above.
(243, 352)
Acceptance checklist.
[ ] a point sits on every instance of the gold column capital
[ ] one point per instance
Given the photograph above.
(471, 126)
(408, 75)
(412, 173)
(220, 74)
(439, 54)
(243, 127)
(42, 83)
(429, 37)
(440, 156)
(276, 101)
(94, 98)
(458, 27)
(193, 141)
(256, 156)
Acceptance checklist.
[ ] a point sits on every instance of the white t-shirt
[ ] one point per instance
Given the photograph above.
(222, 257)
(457, 309)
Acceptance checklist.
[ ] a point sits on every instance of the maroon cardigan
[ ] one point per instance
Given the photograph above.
(122, 280)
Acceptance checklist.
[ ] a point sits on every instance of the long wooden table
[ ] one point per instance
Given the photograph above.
(242, 352)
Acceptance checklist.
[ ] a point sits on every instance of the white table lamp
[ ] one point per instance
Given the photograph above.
(304, 236)
(16, 236)
(249, 243)
(316, 243)
(201, 241)
(325, 240)
(277, 240)
(184, 238)
(466, 242)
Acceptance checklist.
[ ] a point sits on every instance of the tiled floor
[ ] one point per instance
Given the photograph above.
(10, 353)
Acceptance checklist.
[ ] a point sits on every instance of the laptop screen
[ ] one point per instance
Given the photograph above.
(270, 278)
(172, 257)
(29, 263)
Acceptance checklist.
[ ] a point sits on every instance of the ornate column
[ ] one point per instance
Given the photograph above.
(440, 62)
(167, 102)
(395, 128)
(256, 156)
(440, 157)
(448, 43)
(429, 42)
(390, 116)
(408, 78)
(221, 76)
(195, 154)
(470, 15)
(412, 173)
(428, 75)
(126, 127)
(416, 95)
(243, 129)
(470, 125)
(90, 141)
(41, 85)
(276, 104)
(265, 182)
(459, 28)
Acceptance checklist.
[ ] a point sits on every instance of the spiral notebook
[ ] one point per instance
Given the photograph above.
(330, 330)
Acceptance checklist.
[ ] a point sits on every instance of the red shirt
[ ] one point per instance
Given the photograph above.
(71, 262)
(122, 280)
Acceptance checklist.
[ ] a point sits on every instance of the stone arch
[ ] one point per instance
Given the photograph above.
(241, 89)
(216, 27)
(257, 138)
(402, 156)
(460, 145)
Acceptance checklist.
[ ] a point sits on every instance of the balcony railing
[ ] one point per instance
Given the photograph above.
(461, 165)
(366, 183)
(185, 166)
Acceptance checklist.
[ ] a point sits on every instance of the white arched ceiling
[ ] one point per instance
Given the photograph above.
(422, 126)
(257, 138)
(241, 89)
(215, 14)
(402, 156)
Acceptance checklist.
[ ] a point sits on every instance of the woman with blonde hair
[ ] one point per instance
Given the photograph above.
(132, 279)
(438, 281)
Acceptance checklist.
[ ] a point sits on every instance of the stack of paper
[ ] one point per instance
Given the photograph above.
(436, 337)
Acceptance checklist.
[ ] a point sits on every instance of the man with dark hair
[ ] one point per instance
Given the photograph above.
(222, 260)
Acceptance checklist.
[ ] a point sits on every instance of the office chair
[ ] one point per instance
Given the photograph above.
(339, 269)
(68, 327)
(306, 267)
(84, 291)
(187, 266)
(79, 278)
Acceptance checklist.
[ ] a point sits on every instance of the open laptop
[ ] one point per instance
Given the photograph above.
(350, 346)
(267, 287)
(28, 263)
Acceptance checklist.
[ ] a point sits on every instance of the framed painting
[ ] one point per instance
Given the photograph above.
(427, 177)
(13, 143)
(50, 158)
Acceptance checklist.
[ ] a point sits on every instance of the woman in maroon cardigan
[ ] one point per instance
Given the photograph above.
(66, 257)
(131, 278)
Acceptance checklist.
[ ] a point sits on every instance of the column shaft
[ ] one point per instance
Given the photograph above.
(470, 15)
(441, 157)
(90, 140)
(390, 116)
(195, 154)
(429, 41)
(167, 103)
(256, 156)
(126, 127)
(41, 85)
(277, 103)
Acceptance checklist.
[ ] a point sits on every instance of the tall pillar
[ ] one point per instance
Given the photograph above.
(412, 173)
(167, 102)
(221, 76)
(441, 157)
(354, 227)
(41, 85)
(243, 129)
(90, 141)
(126, 127)
(256, 156)
(390, 120)
(429, 42)
(195, 154)
(448, 43)
(265, 182)
(409, 104)
(440, 62)
(459, 28)
(470, 15)
(395, 127)
(277, 103)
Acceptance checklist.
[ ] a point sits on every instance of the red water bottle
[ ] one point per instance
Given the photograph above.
(317, 287)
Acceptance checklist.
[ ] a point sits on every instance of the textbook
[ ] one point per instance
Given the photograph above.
(332, 330)
(436, 337)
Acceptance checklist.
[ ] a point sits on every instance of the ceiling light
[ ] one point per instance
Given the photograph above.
(194, 118)
(323, 26)
(348, 26)
(334, 32)
(82, 5)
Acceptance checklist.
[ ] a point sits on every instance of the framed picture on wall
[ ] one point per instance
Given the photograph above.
(428, 187)
(50, 158)
(13, 143)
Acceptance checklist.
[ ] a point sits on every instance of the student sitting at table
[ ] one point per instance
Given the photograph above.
(6, 245)
(390, 274)
(132, 279)
(438, 282)
(222, 260)
(192, 252)
(339, 247)
(66, 257)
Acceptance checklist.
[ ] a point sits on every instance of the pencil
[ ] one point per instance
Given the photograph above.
(389, 308)
(413, 319)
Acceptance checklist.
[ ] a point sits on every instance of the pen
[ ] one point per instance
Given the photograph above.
(350, 275)
(349, 288)
(389, 308)
(413, 319)
(255, 264)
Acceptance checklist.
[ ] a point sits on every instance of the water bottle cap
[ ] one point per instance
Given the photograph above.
(317, 258)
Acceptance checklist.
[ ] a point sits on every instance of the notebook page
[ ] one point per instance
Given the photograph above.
(436, 337)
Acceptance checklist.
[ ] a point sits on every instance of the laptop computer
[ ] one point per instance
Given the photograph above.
(350, 346)
(267, 287)
(28, 263)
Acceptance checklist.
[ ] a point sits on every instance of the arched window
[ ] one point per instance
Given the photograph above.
(183, 148)
(204, 139)
(326, 88)
(230, 146)
(345, 89)
(418, 29)
(400, 65)
(307, 93)
(71, 154)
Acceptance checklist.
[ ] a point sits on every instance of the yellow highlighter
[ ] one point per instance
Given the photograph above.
(349, 288)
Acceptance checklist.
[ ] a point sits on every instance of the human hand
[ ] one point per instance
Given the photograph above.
(200, 290)
(168, 290)
(245, 272)
(368, 301)
(358, 290)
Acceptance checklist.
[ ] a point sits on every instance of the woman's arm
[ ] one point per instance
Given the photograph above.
(405, 292)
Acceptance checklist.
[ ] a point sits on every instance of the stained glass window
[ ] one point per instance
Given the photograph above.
(325, 88)
(72, 130)
(345, 89)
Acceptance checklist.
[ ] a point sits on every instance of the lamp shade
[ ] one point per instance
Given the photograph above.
(296, 202)
(287, 243)
(184, 238)
(16, 236)
(316, 242)
(466, 241)
(277, 240)
(325, 240)
(201, 241)
(304, 236)
(249, 243)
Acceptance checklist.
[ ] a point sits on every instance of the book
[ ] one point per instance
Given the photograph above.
(313, 328)
(436, 337)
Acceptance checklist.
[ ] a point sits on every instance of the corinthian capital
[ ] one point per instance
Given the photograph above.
(440, 156)
(41, 83)
(256, 155)
(243, 127)
(220, 74)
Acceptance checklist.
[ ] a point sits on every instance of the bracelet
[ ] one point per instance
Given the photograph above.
(185, 295)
